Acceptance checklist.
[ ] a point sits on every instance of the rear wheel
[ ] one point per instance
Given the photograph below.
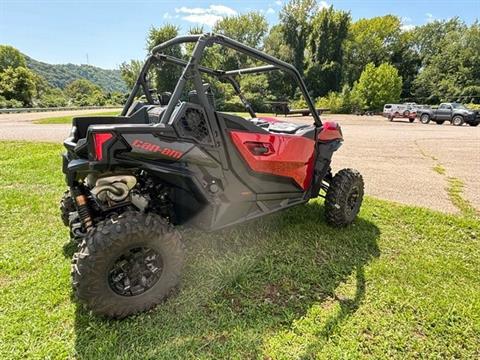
(425, 119)
(457, 120)
(440, 122)
(344, 197)
(127, 264)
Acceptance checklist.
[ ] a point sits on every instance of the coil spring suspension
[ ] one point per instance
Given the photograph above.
(82, 208)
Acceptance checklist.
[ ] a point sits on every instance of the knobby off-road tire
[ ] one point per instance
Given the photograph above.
(110, 248)
(66, 207)
(344, 197)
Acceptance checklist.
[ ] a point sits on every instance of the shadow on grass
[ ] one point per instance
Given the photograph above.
(240, 286)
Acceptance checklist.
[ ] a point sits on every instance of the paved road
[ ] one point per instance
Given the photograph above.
(396, 158)
(20, 126)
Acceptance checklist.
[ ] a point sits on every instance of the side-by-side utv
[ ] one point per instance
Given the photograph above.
(173, 159)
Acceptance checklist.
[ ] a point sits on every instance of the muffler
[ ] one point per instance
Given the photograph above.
(113, 188)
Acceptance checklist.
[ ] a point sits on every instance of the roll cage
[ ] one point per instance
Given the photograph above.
(192, 71)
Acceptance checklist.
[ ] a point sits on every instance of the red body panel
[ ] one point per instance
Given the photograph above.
(330, 131)
(292, 156)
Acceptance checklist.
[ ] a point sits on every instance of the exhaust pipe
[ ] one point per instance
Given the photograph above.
(113, 188)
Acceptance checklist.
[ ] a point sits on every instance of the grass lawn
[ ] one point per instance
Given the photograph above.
(402, 282)
(68, 119)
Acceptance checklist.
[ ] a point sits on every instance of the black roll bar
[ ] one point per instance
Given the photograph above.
(192, 69)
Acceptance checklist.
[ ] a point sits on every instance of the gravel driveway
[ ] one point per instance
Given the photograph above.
(396, 158)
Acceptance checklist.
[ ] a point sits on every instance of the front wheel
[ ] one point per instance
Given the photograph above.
(344, 197)
(127, 264)
(425, 119)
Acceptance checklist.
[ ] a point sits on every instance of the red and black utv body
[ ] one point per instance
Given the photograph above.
(176, 160)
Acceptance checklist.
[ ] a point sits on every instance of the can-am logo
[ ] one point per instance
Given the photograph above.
(144, 145)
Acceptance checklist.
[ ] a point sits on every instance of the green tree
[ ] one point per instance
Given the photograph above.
(166, 77)
(295, 21)
(453, 72)
(18, 84)
(52, 97)
(249, 28)
(130, 71)
(275, 44)
(407, 61)
(11, 57)
(280, 84)
(85, 93)
(370, 41)
(329, 31)
(427, 37)
(378, 86)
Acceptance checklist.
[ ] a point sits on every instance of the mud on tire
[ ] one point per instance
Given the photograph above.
(344, 197)
(127, 264)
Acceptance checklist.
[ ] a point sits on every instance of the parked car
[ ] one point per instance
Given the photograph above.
(457, 114)
(392, 111)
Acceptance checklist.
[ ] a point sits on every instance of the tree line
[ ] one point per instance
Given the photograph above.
(22, 87)
(347, 65)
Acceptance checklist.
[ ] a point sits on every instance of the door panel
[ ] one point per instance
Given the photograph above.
(444, 113)
(282, 155)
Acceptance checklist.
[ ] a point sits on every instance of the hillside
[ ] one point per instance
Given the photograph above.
(59, 75)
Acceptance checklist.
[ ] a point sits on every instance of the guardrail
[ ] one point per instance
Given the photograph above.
(26, 110)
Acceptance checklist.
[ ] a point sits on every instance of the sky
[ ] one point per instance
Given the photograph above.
(106, 33)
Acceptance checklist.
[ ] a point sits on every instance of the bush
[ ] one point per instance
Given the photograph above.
(233, 105)
(18, 84)
(299, 103)
(52, 97)
(473, 106)
(344, 102)
(378, 86)
(9, 104)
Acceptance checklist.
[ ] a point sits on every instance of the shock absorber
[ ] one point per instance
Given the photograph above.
(82, 207)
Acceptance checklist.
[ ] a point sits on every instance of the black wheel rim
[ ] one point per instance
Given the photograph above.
(353, 200)
(135, 271)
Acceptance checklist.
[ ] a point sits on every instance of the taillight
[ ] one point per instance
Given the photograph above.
(330, 131)
(99, 140)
